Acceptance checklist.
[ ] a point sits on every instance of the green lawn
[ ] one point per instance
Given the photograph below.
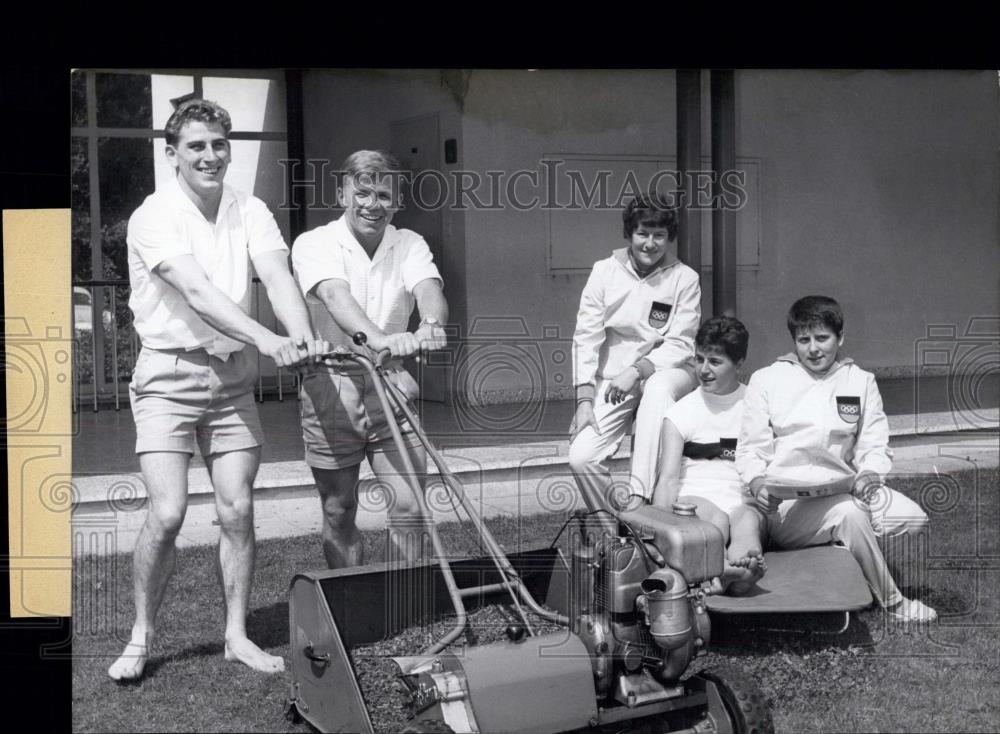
(872, 678)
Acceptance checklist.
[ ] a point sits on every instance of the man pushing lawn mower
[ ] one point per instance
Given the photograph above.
(362, 274)
(190, 248)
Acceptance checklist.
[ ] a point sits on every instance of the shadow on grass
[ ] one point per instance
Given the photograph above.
(765, 633)
(204, 650)
(268, 626)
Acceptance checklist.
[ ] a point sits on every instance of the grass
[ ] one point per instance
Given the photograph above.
(874, 677)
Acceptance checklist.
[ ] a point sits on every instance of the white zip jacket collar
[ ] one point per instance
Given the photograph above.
(624, 318)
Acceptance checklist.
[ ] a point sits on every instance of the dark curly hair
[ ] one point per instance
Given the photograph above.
(196, 110)
(651, 210)
(725, 334)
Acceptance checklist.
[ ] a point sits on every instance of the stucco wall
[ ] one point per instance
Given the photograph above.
(877, 188)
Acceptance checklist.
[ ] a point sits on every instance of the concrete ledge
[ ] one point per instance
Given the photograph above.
(533, 488)
(125, 489)
(482, 398)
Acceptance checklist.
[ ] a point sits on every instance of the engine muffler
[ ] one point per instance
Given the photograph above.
(667, 609)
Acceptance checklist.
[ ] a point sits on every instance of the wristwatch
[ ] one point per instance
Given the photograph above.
(430, 321)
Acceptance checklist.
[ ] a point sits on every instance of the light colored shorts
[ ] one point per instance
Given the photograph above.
(723, 495)
(342, 417)
(182, 398)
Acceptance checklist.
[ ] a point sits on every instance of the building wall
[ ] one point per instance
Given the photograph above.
(877, 188)
(512, 120)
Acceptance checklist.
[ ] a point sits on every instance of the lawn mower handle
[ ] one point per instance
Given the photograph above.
(390, 396)
(341, 354)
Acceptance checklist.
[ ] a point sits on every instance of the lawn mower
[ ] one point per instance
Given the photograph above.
(630, 601)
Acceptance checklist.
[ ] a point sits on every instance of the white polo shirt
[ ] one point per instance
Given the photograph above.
(168, 224)
(703, 417)
(382, 285)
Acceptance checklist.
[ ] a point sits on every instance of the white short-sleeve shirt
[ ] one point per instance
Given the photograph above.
(168, 224)
(382, 285)
(705, 418)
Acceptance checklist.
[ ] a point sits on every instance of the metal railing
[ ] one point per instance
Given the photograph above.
(96, 326)
(94, 323)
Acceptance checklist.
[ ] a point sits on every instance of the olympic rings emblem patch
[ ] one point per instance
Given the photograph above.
(849, 408)
(659, 314)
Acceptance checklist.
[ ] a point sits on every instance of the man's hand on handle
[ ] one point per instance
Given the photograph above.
(431, 337)
(313, 346)
(405, 344)
(283, 350)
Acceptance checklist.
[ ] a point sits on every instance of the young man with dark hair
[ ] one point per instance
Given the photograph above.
(360, 273)
(633, 349)
(816, 419)
(190, 248)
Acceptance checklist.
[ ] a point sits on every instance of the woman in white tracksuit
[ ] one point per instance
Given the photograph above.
(633, 349)
(814, 419)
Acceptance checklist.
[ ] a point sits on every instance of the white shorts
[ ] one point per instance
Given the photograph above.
(723, 495)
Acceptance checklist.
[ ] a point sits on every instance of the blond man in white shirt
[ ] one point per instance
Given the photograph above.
(360, 273)
(189, 248)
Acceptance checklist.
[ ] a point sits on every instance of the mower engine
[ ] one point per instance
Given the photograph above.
(637, 618)
(631, 618)
(639, 600)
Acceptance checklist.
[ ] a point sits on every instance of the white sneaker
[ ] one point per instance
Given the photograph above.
(912, 610)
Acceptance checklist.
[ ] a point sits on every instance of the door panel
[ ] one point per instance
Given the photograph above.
(416, 142)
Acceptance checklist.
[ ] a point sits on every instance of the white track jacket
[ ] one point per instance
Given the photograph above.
(624, 318)
(807, 429)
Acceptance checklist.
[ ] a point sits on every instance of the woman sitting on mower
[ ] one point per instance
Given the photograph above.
(698, 446)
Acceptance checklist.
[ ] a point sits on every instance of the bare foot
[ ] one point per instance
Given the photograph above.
(744, 574)
(730, 575)
(242, 650)
(132, 661)
(740, 557)
(752, 562)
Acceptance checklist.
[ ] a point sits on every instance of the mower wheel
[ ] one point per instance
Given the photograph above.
(743, 709)
(427, 726)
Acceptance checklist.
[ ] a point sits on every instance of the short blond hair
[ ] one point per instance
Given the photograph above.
(372, 163)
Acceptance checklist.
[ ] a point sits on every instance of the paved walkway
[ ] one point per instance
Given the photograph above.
(511, 459)
(518, 480)
(104, 443)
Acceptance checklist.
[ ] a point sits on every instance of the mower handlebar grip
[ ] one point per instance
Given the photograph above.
(361, 339)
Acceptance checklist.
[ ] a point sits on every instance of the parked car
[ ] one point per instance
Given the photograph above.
(83, 308)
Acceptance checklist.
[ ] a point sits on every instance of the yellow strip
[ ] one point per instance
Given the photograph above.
(39, 372)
